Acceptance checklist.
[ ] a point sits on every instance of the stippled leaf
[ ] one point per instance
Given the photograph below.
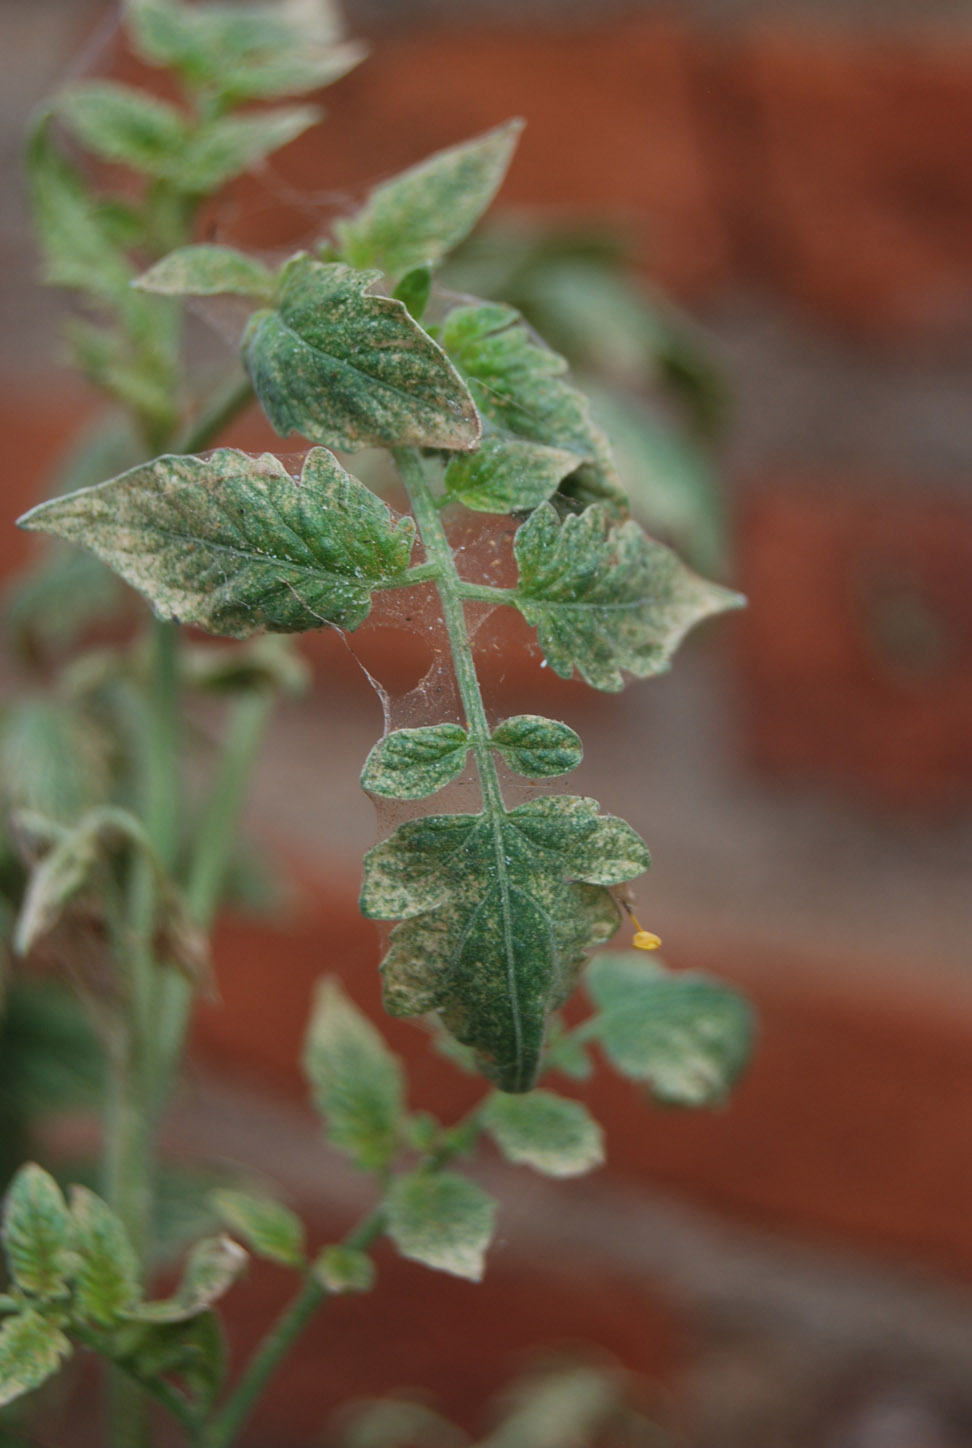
(352, 370)
(412, 763)
(226, 147)
(343, 1269)
(357, 1082)
(536, 747)
(605, 597)
(37, 1234)
(242, 53)
(519, 387)
(419, 216)
(207, 271)
(507, 475)
(688, 1035)
(121, 124)
(498, 909)
(54, 758)
(234, 544)
(441, 1219)
(106, 1279)
(550, 1133)
(31, 1350)
(213, 1266)
(78, 247)
(267, 1227)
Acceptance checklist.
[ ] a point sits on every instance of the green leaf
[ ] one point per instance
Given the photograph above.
(243, 53)
(192, 1352)
(344, 1269)
(498, 910)
(36, 1234)
(233, 543)
(206, 271)
(550, 1133)
(267, 1227)
(55, 759)
(519, 387)
(121, 124)
(106, 1279)
(441, 1219)
(224, 148)
(78, 247)
(419, 216)
(536, 747)
(605, 597)
(357, 1082)
(688, 1035)
(352, 370)
(31, 1349)
(566, 1054)
(213, 1266)
(414, 290)
(412, 763)
(507, 475)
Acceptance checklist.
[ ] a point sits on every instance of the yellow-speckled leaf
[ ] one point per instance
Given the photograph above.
(349, 369)
(234, 544)
(36, 1233)
(413, 763)
(441, 1219)
(550, 1133)
(208, 271)
(31, 1349)
(507, 475)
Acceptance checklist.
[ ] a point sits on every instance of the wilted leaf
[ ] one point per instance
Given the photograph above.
(205, 271)
(234, 543)
(36, 1233)
(213, 1266)
(412, 763)
(537, 748)
(357, 1082)
(550, 1133)
(343, 1269)
(419, 216)
(61, 874)
(604, 597)
(498, 910)
(441, 1219)
(106, 1278)
(267, 1227)
(519, 386)
(688, 1035)
(352, 370)
(31, 1349)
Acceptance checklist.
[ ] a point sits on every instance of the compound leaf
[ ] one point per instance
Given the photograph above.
(357, 1082)
(233, 543)
(106, 1278)
(441, 1219)
(31, 1349)
(537, 748)
(520, 388)
(412, 763)
(507, 475)
(37, 1233)
(418, 217)
(497, 911)
(552, 1134)
(688, 1035)
(352, 370)
(206, 271)
(268, 1228)
(604, 597)
(213, 1266)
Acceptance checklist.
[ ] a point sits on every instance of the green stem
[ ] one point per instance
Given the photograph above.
(227, 405)
(224, 1428)
(485, 592)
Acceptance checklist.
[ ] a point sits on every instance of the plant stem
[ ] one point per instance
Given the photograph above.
(224, 1428)
(228, 403)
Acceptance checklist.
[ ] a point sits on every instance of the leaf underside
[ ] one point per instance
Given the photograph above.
(497, 912)
(234, 544)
